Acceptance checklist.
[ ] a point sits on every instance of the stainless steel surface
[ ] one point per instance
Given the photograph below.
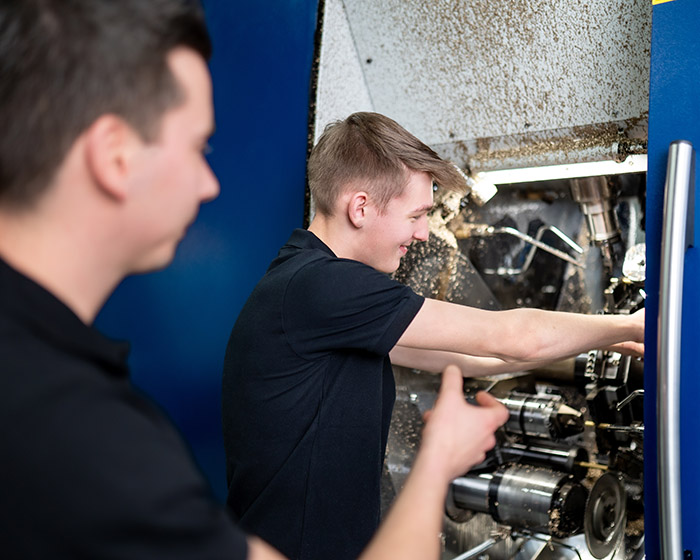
(502, 67)
(494, 85)
(677, 235)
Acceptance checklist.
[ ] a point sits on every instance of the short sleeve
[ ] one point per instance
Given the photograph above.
(334, 304)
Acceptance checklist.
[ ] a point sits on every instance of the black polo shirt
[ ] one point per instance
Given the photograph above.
(89, 468)
(308, 392)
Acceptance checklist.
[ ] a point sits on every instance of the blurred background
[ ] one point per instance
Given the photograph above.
(178, 320)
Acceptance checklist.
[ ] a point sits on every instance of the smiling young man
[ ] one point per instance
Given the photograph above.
(308, 387)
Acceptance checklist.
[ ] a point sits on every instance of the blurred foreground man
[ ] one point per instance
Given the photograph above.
(105, 110)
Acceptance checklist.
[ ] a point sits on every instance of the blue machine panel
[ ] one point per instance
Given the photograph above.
(674, 114)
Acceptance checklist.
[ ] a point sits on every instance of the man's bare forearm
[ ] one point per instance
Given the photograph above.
(517, 335)
(417, 513)
(456, 436)
(435, 361)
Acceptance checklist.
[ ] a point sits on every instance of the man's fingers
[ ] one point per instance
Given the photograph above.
(628, 348)
(486, 399)
(489, 401)
(452, 380)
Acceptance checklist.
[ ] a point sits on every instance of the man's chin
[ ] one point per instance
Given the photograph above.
(155, 262)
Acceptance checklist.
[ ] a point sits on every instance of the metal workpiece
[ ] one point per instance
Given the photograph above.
(568, 459)
(526, 498)
(677, 236)
(542, 416)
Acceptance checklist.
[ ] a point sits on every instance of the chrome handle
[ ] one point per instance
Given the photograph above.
(677, 236)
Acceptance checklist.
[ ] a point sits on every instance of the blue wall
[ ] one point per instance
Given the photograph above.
(178, 320)
(674, 114)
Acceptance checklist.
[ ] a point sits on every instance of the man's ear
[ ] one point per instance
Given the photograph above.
(110, 145)
(357, 208)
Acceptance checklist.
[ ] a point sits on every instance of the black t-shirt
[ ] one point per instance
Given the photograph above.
(307, 397)
(89, 468)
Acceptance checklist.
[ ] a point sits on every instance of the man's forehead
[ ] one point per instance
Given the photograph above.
(192, 75)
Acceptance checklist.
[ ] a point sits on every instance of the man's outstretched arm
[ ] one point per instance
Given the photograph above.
(519, 336)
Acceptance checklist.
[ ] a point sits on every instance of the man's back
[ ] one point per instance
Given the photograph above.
(307, 398)
(90, 468)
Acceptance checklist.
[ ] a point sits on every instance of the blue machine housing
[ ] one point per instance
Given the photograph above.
(674, 114)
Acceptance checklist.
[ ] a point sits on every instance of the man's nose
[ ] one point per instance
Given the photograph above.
(421, 233)
(210, 185)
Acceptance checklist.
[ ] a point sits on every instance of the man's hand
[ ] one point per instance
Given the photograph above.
(457, 434)
(635, 349)
(456, 437)
(632, 347)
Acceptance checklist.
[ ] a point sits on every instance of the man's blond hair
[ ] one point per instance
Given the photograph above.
(371, 152)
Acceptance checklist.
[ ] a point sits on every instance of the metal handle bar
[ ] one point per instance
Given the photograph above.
(677, 236)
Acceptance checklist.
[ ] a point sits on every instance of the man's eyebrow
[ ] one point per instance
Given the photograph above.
(423, 208)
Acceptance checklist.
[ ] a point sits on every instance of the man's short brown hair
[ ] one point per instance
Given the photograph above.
(64, 64)
(375, 154)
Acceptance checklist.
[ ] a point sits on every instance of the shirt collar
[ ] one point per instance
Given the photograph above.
(304, 239)
(40, 312)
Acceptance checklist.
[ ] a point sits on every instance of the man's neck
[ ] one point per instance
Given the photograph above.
(61, 264)
(334, 235)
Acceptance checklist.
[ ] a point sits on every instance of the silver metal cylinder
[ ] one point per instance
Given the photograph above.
(472, 492)
(560, 458)
(678, 234)
(595, 198)
(525, 497)
(526, 494)
(529, 415)
(541, 416)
